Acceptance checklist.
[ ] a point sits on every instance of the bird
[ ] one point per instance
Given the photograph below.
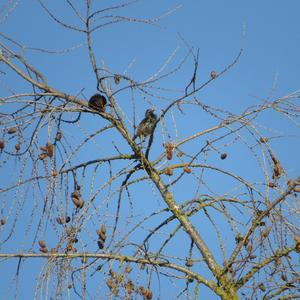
(98, 102)
(146, 127)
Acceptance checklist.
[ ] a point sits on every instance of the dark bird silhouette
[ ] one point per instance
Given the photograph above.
(147, 125)
(98, 102)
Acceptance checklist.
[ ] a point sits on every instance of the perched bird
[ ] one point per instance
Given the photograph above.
(98, 102)
(146, 127)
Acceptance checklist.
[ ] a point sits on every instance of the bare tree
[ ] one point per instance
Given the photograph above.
(100, 200)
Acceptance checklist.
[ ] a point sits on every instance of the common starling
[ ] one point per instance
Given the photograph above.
(98, 102)
(146, 127)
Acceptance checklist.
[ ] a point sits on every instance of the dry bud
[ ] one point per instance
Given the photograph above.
(44, 250)
(58, 135)
(54, 173)
(103, 228)
(117, 78)
(189, 263)
(213, 74)
(2, 222)
(263, 140)
(127, 269)
(187, 170)
(223, 155)
(169, 150)
(49, 149)
(12, 130)
(42, 244)
(17, 147)
(100, 244)
(168, 171)
(2, 144)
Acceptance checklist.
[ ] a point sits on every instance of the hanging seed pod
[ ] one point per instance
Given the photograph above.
(17, 147)
(128, 269)
(102, 236)
(168, 171)
(179, 153)
(169, 147)
(117, 78)
(110, 284)
(2, 145)
(63, 220)
(54, 173)
(187, 170)
(148, 295)
(12, 130)
(44, 250)
(223, 156)
(266, 232)
(2, 222)
(58, 135)
(283, 277)
(100, 244)
(238, 238)
(213, 74)
(263, 140)
(262, 287)
(128, 288)
(189, 263)
(103, 228)
(142, 290)
(77, 200)
(49, 149)
(42, 244)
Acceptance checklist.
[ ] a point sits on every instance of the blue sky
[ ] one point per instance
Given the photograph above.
(268, 31)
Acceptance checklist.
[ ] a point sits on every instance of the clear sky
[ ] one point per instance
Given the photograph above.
(268, 31)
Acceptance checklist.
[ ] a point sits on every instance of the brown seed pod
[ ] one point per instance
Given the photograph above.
(263, 140)
(249, 248)
(54, 173)
(71, 248)
(42, 244)
(189, 263)
(103, 228)
(44, 250)
(283, 277)
(128, 269)
(262, 287)
(213, 74)
(77, 200)
(2, 144)
(17, 147)
(271, 184)
(169, 147)
(110, 284)
(128, 288)
(187, 170)
(117, 78)
(58, 135)
(223, 155)
(2, 222)
(49, 149)
(179, 153)
(43, 148)
(266, 232)
(238, 238)
(100, 244)
(148, 295)
(102, 236)
(142, 290)
(12, 130)
(112, 273)
(168, 171)
(63, 220)
(59, 220)
(42, 156)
